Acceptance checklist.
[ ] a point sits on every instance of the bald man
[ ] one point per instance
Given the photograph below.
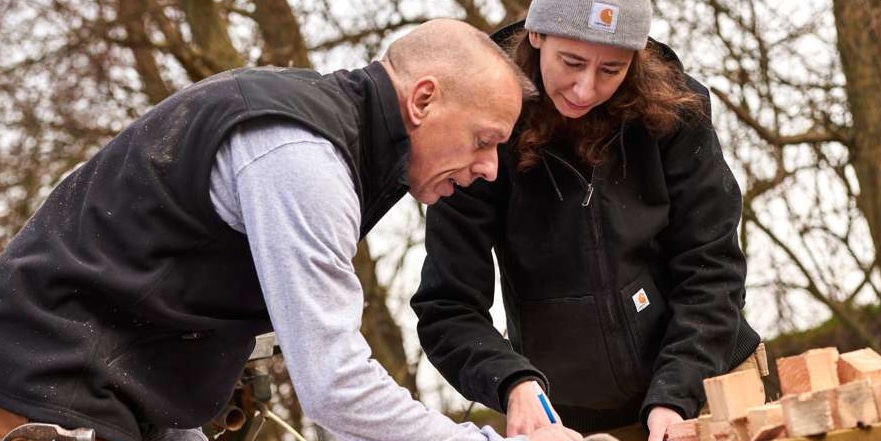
(130, 301)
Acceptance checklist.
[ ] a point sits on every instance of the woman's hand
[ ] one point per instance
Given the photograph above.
(659, 419)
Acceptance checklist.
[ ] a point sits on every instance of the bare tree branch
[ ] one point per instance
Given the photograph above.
(359, 37)
(473, 16)
(132, 15)
(189, 57)
(812, 136)
(840, 310)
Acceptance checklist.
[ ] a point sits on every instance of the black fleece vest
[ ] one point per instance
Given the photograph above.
(126, 301)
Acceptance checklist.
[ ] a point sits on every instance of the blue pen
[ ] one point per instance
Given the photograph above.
(544, 403)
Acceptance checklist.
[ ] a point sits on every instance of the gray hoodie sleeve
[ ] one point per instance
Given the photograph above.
(293, 196)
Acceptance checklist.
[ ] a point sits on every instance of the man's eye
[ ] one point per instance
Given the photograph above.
(571, 63)
(482, 144)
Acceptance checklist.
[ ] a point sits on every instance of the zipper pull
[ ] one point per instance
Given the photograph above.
(588, 195)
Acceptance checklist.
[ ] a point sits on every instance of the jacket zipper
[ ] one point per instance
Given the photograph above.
(585, 184)
(615, 300)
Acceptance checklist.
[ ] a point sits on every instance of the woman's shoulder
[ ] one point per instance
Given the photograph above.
(669, 56)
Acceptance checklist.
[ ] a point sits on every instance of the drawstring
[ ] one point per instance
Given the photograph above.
(585, 185)
(623, 151)
(553, 181)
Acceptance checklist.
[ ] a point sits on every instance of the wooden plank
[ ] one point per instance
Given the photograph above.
(813, 370)
(809, 413)
(769, 432)
(760, 417)
(703, 427)
(721, 431)
(876, 390)
(730, 395)
(870, 433)
(684, 431)
(855, 405)
(856, 365)
(739, 427)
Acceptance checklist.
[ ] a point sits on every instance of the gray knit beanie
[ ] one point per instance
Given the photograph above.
(622, 23)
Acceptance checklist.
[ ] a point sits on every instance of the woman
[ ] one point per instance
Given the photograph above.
(614, 220)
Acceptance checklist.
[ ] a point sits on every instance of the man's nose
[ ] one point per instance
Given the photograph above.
(487, 165)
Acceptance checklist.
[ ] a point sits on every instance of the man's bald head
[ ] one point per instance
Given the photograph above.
(460, 97)
(457, 54)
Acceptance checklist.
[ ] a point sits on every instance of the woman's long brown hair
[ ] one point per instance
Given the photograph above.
(653, 93)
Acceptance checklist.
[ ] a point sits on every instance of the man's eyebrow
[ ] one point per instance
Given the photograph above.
(499, 135)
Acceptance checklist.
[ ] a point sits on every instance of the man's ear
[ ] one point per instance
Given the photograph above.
(425, 94)
(536, 39)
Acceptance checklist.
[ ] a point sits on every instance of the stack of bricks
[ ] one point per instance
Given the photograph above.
(823, 391)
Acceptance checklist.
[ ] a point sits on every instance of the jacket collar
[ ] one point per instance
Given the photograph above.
(384, 144)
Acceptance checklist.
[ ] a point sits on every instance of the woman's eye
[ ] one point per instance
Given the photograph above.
(571, 63)
(611, 72)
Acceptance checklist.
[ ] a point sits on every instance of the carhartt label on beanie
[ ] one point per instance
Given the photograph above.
(604, 17)
(622, 23)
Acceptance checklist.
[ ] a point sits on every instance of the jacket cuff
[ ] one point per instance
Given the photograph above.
(648, 405)
(514, 379)
(685, 396)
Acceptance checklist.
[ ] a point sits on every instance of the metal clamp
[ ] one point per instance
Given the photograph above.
(762, 360)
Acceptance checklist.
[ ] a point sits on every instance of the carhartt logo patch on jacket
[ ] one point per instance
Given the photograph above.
(641, 300)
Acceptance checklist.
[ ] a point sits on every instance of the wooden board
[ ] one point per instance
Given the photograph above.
(855, 365)
(765, 415)
(871, 433)
(810, 413)
(811, 371)
(730, 395)
(855, 404)
(684, 431)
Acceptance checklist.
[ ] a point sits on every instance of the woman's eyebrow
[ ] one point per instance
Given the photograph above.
(611, 63)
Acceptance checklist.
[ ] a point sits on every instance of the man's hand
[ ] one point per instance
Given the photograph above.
(554, 432)
(600, 437)
(659, 418)
(525, 412)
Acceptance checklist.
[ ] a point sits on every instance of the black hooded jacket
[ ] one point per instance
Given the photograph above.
(623, 283)
(126, 302)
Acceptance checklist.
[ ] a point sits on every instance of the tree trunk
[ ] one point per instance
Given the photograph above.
(132, 14)
(859, 43)
(211, 36)
(514, 10)
(283, 42)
